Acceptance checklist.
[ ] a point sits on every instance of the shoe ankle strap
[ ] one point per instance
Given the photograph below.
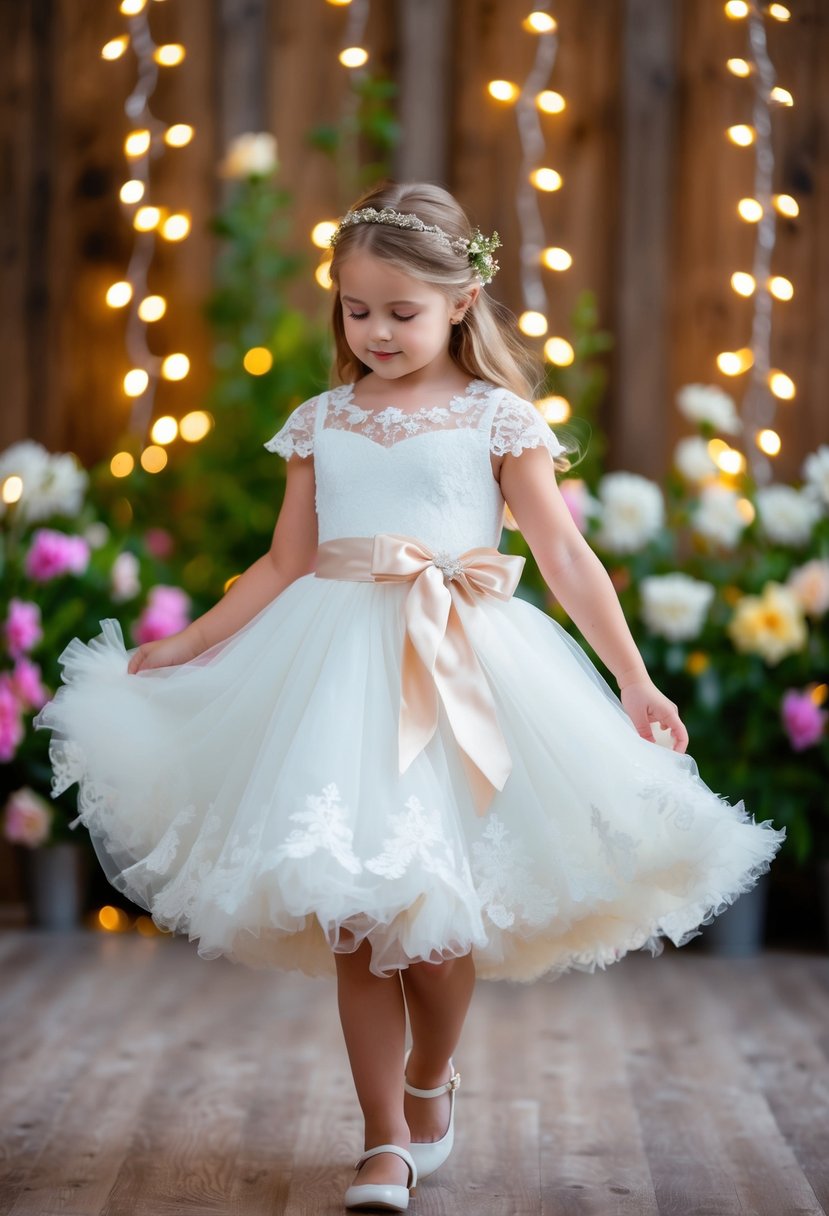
(450, 1085)
(400, 1152)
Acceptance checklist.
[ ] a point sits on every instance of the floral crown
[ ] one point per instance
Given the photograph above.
(478, 248)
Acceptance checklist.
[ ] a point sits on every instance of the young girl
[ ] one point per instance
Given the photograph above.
(370, 756)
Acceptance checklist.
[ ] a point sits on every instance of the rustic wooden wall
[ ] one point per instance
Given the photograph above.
(647, 207)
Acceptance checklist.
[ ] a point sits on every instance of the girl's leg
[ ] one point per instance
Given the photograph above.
(373, 1017)
(437, 997)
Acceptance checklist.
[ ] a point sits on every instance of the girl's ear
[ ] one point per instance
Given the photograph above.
(465, 303)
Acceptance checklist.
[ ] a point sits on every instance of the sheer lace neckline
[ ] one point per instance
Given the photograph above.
(389, 424)
(457, 401)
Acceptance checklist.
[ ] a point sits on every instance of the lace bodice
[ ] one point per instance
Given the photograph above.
(424, 473)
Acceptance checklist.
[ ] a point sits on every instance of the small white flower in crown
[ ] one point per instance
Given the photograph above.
(451, 566)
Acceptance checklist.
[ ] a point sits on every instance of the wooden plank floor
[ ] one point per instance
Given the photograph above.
(139, 1080)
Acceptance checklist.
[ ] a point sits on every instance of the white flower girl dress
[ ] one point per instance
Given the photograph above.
(397, 745)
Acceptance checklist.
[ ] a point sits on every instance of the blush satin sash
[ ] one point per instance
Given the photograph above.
(438, 660)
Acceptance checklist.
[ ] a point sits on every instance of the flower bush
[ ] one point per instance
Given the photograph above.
(63, 571)
(725, 586)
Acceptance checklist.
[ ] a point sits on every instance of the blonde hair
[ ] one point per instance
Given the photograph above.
(485, 343)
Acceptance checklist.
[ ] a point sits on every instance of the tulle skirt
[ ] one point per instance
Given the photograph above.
(251, 798)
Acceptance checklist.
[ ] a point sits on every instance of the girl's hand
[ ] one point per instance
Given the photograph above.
(166, 652)
(644, 703)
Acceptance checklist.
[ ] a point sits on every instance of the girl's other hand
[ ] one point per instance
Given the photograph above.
(644, 704)
(166, 652)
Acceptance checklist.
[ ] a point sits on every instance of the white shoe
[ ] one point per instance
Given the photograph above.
(431, 1154)
(383, 1196)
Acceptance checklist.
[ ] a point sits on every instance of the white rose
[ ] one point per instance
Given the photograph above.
(96, 535)
(250, 155)
(810, 584)
(52, 484)
(123, 577)
(787, 516)
(631, 512)
(693, 460)
(717, 516)
(707, 403)
(674, 606)
(816, 472)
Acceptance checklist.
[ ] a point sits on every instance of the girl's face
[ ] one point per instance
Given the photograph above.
(395, 324)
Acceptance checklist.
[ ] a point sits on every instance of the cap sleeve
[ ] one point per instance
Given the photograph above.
(296, 435)
(517, 424)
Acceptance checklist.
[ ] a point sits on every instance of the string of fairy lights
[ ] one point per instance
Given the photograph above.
(147, 140)
(766, 384)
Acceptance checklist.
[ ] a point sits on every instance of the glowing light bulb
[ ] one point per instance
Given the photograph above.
(550, 101)
(503, 90)
(745, 509)
(741, 134)
(782, 96)
(153, 459)
(539, 23)
(743, 283)
(119, 294)
(731, 461)
(152, 308)
(768, 441)
(734, 362)
(323, 274)
(131, 191)
(178, 135)
(338, 3)
(194, 426)
(115, 48)
(779, 12)
(257, 361)
(559, 351)
(353, 56)
(750, 210)
(819, 693)
(136, 381)
(146, 218)
(131, 8)
(533, 324)
(555, 258)
(716, 447)
(12, 489)
(554, 409)
(175, 227)
(736, 9)
(169, 54)
(164, 429)
(546, 179)
(137, 142)
(780, 287)
(738, 67)
(786, 205)
(322, 232)
(782, 385)
(109, 918)
(175, 367)
(121, 465)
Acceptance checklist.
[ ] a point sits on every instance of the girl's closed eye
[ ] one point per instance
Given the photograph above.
(360, 316)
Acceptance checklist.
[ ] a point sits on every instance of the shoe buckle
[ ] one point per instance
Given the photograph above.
(453, 1082)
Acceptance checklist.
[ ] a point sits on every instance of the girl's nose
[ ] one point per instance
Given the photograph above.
(380, 330)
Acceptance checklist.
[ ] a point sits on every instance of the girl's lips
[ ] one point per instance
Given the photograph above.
(384, 354)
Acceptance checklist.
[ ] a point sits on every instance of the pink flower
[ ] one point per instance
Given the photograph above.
(802, 720)
(810, 583)
(53, 554)
(27, 818)
(575, 494)
(22, 628)
(159, 542)
(167, 612)
(11, 722)
(28, 685)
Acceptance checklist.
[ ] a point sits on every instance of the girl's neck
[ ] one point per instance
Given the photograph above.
(416, 390)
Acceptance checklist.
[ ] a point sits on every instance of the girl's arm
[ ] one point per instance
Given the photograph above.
(580, 583)
(291, 554)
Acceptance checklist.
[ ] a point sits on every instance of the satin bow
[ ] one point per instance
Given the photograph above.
(438, 662)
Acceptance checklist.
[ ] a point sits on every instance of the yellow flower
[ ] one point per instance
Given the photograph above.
(771, 624)
(697, 662)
